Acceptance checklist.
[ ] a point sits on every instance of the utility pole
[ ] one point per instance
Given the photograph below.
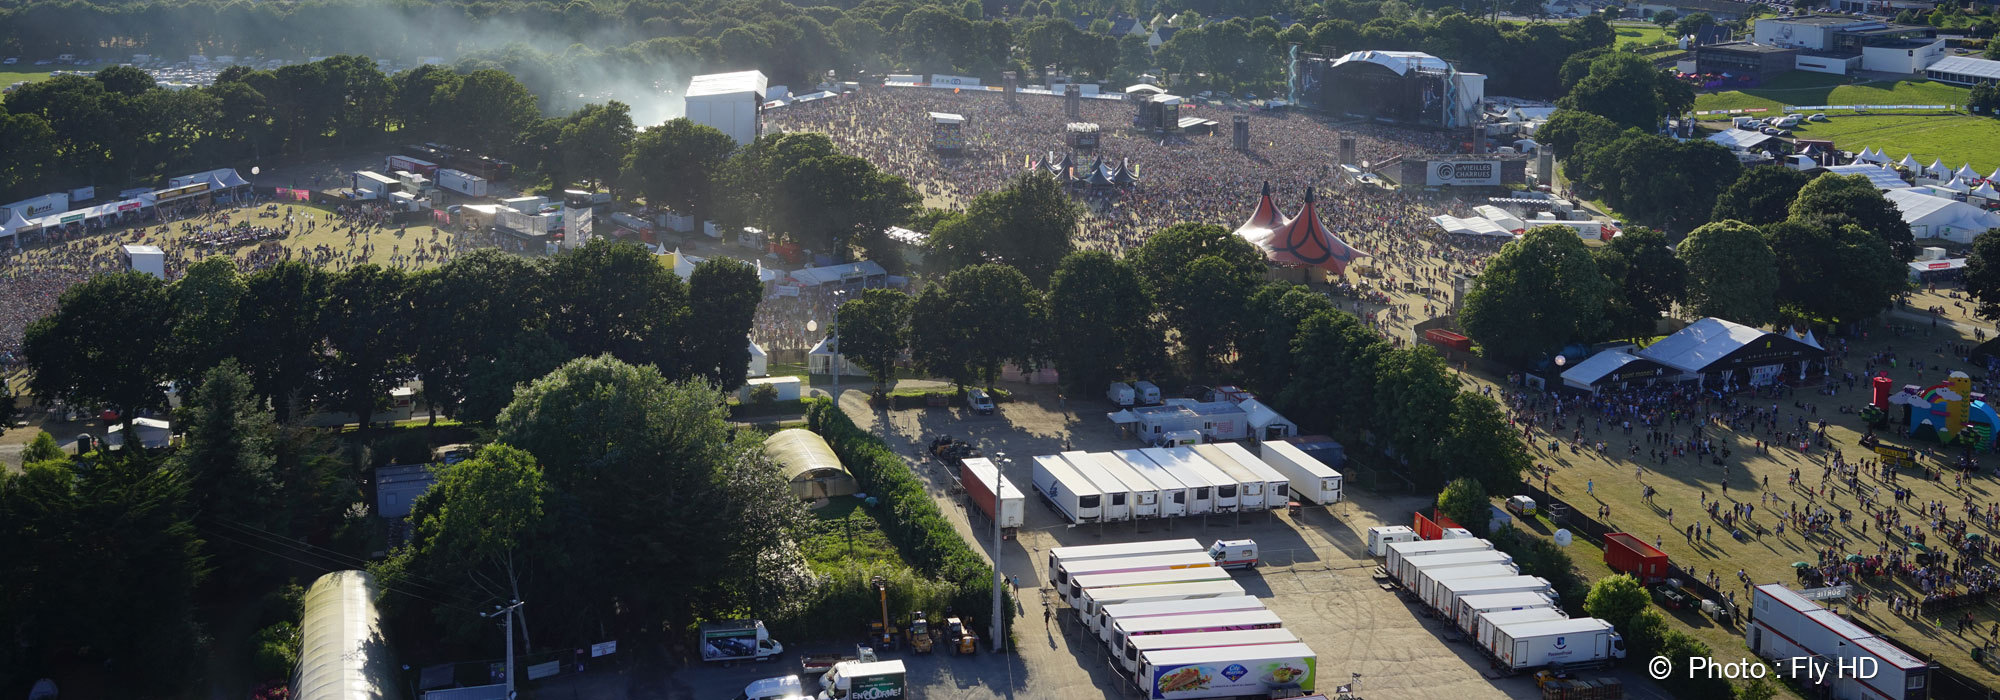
(507, 611)
(999, 579)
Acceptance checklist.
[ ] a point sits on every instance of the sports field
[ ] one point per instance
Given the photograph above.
(1802, 88)
(15, 74)
(1639, 34)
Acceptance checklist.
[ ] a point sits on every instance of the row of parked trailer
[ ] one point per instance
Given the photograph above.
(1513, 619)
(1168, 482)
(1174, 620)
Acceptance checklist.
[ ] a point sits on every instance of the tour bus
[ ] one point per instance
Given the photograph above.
(1200, 640)
(1173, 494)
(1061, 557)
(1100, 616)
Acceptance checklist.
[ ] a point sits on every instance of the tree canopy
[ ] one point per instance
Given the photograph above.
(1732, 273)
(973, 322)
(1029, 225)
(1856, 199)
(874, 330)
(1833, 272)
(1100, 322)
(1539, 293)
(1761, 195)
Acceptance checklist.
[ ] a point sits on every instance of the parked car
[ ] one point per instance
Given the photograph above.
(979, 402)
(1816, 118)
(1772, 131)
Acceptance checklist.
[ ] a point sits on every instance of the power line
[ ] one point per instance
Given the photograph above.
(322, 567)
(435, 586)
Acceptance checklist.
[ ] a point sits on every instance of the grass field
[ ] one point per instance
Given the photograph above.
(15, 74)
(1803, 88)
(1956, 138)
(1639, 35)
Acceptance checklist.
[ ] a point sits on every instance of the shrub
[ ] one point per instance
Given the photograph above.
(1615, 599)
(274, 650)
(907, 514)
(1540, 557)
(763, 394)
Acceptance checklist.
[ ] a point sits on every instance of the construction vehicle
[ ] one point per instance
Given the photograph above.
(952, 452)
(963, 640)
(816, 665)
(919, 633)
(881, 633)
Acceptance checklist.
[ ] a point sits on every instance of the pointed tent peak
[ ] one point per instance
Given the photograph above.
(1309, 195)
(1267, 188)
(1995, 177)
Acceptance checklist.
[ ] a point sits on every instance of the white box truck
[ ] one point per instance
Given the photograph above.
(1145, 497)
(1200, 640)
(1067, 491)
(1575, 643)
(1259, 486)
(1149, 393)
(1429, 581)
(1081, 586)
(1121, 395)
(1175, 461)
(1165, 592)
(1173, 493)
(1117, 500)
(462, 182)
(1100, 616)
(1413, 548)
(1060, 558)
(1407, 569)
(858, 680)
(730, 641)
(1487, 623)
(1184, 674)
(1380, 537)
(1446, 602)
(1151, 562)
(1313, 481)
(1472, 606)
(1123, 630)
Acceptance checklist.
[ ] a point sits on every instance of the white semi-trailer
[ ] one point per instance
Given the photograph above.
(1399, 550)
(1173, 494)
(1472, 606)
(1259, 486)
(1200, 640)
(1487, 623)
(1449, 592)
(1060, 558)
(1123, 630)
(1145, 497)
(1429, 588)
(1407, 569)
(1117, 499)
(1311, 479)
(1575, 643)
(1100, 616)
(1201, 493)
(1226, 672)
(1069, 492)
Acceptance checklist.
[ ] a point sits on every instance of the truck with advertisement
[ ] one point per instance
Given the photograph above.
(1225, 672)
(992, 494)
(1575, 643)
(415, 165)
(861, 680)
(730, 641)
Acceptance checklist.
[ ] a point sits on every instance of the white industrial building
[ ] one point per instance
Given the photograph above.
(730, 102)
(1844, 45)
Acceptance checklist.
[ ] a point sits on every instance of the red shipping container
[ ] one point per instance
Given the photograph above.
(1628, 554)
(1426, 529)
(1448, 339)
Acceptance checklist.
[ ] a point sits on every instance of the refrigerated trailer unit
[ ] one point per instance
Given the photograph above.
(1265, 670)
(1076, 497)
(1099, 617)
(1413, 548)
(1312, 481)
(1472, 606)
(1200, 640)
(992, 494)
(1408, 568)
(1173, 494)
(1201, 493)
(1575, 643)
(1123, 630)
(1105, 597)
(1060, 558)
(1785, 625)
(1381, 536)
(1430, 582)
(1486, 623)
(1081, 586)
(1144, 496)
(1228, 488)
(1450, 591)
(1260, 486)
(462, 182)
(1117, 499)
(1125, 565)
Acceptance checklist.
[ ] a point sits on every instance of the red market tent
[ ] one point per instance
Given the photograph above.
(1305, 242)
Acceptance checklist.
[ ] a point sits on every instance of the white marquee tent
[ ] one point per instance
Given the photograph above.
(1937, 217)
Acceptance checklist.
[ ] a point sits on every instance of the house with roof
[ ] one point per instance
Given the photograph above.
(1160, 36)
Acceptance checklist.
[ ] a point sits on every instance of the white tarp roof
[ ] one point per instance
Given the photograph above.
(1739, 139)
(1700, 343)
(1986, 191)
(1473, 226)
(1921, 209)
(813, 276)
(947, 118)
(1500, 216)
(12, 223)
(1399, 61)
(1596, 367)
(1262, 415)
(153, 432)
(1936, 265)
(749, 81)
(1882, 178)
(1968, 66)
(342, 655)
(906, 236)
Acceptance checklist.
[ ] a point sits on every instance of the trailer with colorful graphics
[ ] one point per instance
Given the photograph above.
(1227, 672)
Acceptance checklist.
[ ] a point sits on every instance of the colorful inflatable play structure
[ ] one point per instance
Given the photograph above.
(1946, 412)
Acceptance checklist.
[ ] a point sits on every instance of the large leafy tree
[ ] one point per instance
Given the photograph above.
(1413, 395)
(229, 458)
(1029, 224)
(1200, 277)
(281, 308)
(489, 108)
(102, 346)
(1656, 180)
(1569, 129)
(1465, 500)
(1622, 87)
(683, 512)
(874, 329)
(1480, 444)
(595, 141)
(474, 314)
(1276, 310)
(672, 165)
(1647, 280)
(612, 297)
(1732, 273)
(1856, 199)
(1334, 358)
(976, 320)
(1540, 293)
(205, 301)
(368, 321)
(839, 202)
(722, 301)
(1761, 195)
(1100, 322)
(1615, 599)
(1982, 273)
(1810, 253)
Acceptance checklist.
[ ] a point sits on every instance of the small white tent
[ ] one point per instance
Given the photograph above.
(760, 362)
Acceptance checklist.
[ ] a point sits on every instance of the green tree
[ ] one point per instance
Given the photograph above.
(481, 328)
(673, 164)
(1615, 599)
(1761, 195)
(1465, 501)
(722, 302)
(1200, 277)
(1540, 293)
(488, 107)
(1276, 310)
(1857, 199)
(1481, 445)
(978, 319)
(614, 298)
(1656, 180)
(205, 301)
(874, 330)
(1622, 87)
(1413, 393)
(1029, 225)
(1666, 18)
(281, 308)
(1982, 273)
(1570, 129)
(1732, 273)
(1647, 280)
(229, 455)
(368, 322)
(1689, 25)
(1334, 358)
(96, 348)
(595, 141)
(42, 449)
(1809, 253)
(840, 202)
(1100, 322)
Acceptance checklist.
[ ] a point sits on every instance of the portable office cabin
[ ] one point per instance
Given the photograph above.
(1784, 624)
(1123, 630)
(1145, 497)
(1312, 480)
(1259, 481)
(1177, 463)
(1117, 499)
(1472, 606)
(1060, 558)
(1073, 495)
(1174, 495)
(1399, 550)
(1201, 640)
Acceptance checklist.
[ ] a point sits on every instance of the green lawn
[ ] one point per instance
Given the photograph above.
(1956, 138)
(14, 74)
(1639, 35)
(1803, 88)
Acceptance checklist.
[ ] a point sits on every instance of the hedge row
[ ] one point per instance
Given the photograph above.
(908, 515)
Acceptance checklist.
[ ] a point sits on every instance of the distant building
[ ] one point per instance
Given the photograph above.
(1964, 70)
(1744, 58)
(730, 102)
(1842, 45)
(397, 486)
